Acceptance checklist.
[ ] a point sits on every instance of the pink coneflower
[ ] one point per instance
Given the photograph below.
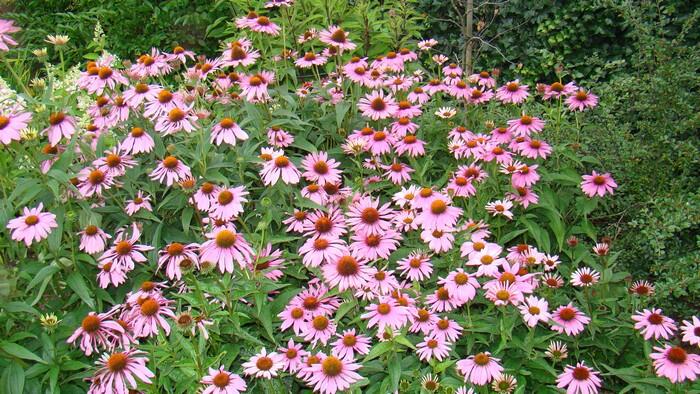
(442, 300)
(691, 331)
(557, 90)
(404, 126)
(320, 169)
(140, 92)
(504, 293)
(295, 317)
(240, 54)
(487, 259)
(11, 124)
(383, 282)
(138, 141)
(227, 131)
(483, 79)
(227, 203)
(438, 240)
(579, 379)
(674, 363)
(387, 313)
(114, 163)
(523, 196)
(93, 181)
(582, 100)
(319, 250)
(151, 65)
(254, 87)
(651, 323)
(533, 149)
(60, 125)
(553, 281)
(318, 329)
(642, 288)
(418, 95)
(336, 37)
(117, 371)
(310, 59)
(446, 330)
(223, 248)
(367, 217)
(584, 277)
(557, 351)
(110, 273)
(279, 167)
(333, 374)
(170, 170)
(33, 226)
(292, 355)
(598, 184)
(480, 369)
(461, 284)
(221, 381)
(439, 215)
(319, 223)
(7, 26)
(278, 137)
(500, 208)
(93, 239)
(512, 93)
(432, 348)
(205, 196)
(601, 249)
(534, 310)
(568, 319)
(525, 125)
(346, 272)
(95, 332)
(264, 365)
(422, 320)
(176, 119)
(416, 266)
(376, 105)
(175, 256)
(138, 203)
(398, 173)
(348, 344)
(375, 246)
(425, 45)
(149, 314)
(263, 24)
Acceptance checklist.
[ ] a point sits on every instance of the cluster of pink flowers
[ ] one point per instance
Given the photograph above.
(349, 237)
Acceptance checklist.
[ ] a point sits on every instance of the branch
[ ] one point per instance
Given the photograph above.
(488, 44)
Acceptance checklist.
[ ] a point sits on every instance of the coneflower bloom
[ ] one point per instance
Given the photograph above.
(137, 141)
(346, 272)
(598, 184)
(398, 173)
(553, 281)
(558, 89)
(386, 313)
(177, 119)
(534, 310)
(601, 249)
(367, 217)
(442, 300)
(319, 223)
(264, 365)
(487, 259)
(227, 203)
(149, 314)
(674, 363)
(118, 370)
(292, 356)
(525, 125)
(337, 37)
(557, 351)
(500, 208)
(446, 330)
(461, 284)
(60, 125)
(432, 348)
(279, 167)
(110, 274)
(7, 26)
(310, 59)
(652, 324)
(170, 170)
(223, 248)
(568, 319)
(439, 215)
(504, 384)
(480, 369)
(227, 131)
(349, 343)
(93, 239)
(579, 379)
(375, 246)
(642, 288)
(11, 124)
(33, 226)
(416, 266)
(95, 332)
(410, 144)
(318, 250)
(523, 196)
(139, 202)
(691, 331)
(483, 79)
(438, 240)
(584, 277)
(263, 24)
(221, 381)
(173, 255)
(333, 374)
(581, 100)
(254, 87)
(93, 181)
(318, 329)
(512, 93)
(320, 169)
(504, 293)
(376, 105)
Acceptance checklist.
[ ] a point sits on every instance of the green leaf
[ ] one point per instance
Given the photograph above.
(20, 351)
(378, 350)
(76, 282)
(14, 379)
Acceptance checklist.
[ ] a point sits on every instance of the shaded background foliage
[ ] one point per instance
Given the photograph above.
(641, 57)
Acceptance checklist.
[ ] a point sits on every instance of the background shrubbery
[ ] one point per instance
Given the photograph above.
(642, 59)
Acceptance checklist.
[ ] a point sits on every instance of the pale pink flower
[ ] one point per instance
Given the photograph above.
(320, 169)
(221, 381)
(568, 319)
(376, 105)
(534, 310)
(170, 170)
(584, 277)
(598, 184)
(137, 141)
(227, 131)
(149, 314)
(333, 374)
(461, 284)
(512, 93)
(346, 272)
(279, 167)
(227, 203)
(11, 124)
(349, 343)
(139, 202)
(176, 255)
(525, 125)
(95, 332)
(581, 100)
(691, 331)
(118, 370)
(432, 348)
(416, 266)
(318, 329)
(93, 239)
(579, 379)
(264, 365)
(263, 24)
(60, 125)
(33, 226)
(652, 324)
(223, 248)
(386, 313)
(480, 369)
(7, 26)
(676, 364)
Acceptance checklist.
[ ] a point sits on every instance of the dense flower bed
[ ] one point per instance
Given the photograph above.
(293, 216)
